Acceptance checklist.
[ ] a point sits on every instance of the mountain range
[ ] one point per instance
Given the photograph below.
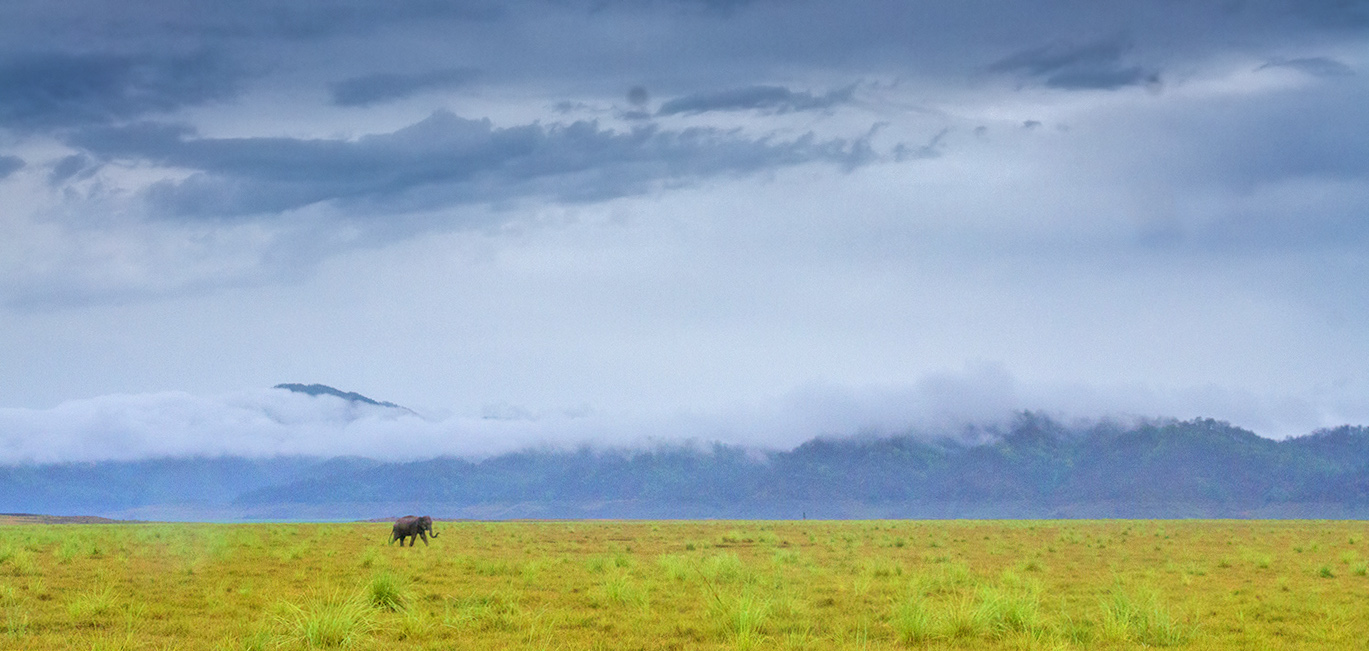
(1034, 468)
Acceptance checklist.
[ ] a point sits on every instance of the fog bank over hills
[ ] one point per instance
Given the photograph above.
(1027, 465)
(1037, 469)
(315, 420)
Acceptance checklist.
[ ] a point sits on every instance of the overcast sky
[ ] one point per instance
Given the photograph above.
(611, 220)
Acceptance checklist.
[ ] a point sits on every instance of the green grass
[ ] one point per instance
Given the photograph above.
(913, 621)
(743, 619)
(94, 604)
(677, 567)
(385, 591)
(1142, 620)
(712, 586)
(619, 589)
(336, 622)
(723, 568)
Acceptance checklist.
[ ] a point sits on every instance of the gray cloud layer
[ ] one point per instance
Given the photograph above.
(96, 59)
(57, 89)
(384, 87)
(768, 98)
(1091, 66)
(10, 165)
(1315, 66)
(464, 160)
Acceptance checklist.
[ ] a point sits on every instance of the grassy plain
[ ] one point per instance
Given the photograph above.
(689, 585)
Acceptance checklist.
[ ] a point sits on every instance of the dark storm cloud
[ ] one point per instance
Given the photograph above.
(445, 159)
(10, 165)
(372, 89)
(777, 99)
(58, 90)
(1092, 66)
(1324, 67)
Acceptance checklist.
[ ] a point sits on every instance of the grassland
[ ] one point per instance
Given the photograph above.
(688, 585)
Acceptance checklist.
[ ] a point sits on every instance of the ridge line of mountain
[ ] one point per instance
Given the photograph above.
(350, 396)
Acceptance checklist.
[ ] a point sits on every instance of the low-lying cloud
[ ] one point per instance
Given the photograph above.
(970, 406)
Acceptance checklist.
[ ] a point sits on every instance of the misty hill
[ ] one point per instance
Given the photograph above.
(197, 487)
(1039, 468)
(1036, 468)
(325, 390)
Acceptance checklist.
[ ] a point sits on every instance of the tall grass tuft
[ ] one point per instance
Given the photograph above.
(1000, 612)
(23, 563)
(16, 624)
(912, 621)
(723, 568)
(385, 591)
(333, 623)
(68, 550)
(958, 620)
(92, 605)
(498, 611)
(1141, 621)
(676, 566)
(414, 626)
(744, 619)
(619, 590)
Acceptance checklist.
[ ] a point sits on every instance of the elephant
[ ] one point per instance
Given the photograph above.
(412, 527)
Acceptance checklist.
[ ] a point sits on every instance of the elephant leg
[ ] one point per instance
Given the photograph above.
(413, 539)
(425, 538)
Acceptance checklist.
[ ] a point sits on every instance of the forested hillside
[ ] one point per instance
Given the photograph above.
(1037, 468)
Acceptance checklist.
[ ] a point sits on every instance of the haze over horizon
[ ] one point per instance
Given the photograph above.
(748, 221)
